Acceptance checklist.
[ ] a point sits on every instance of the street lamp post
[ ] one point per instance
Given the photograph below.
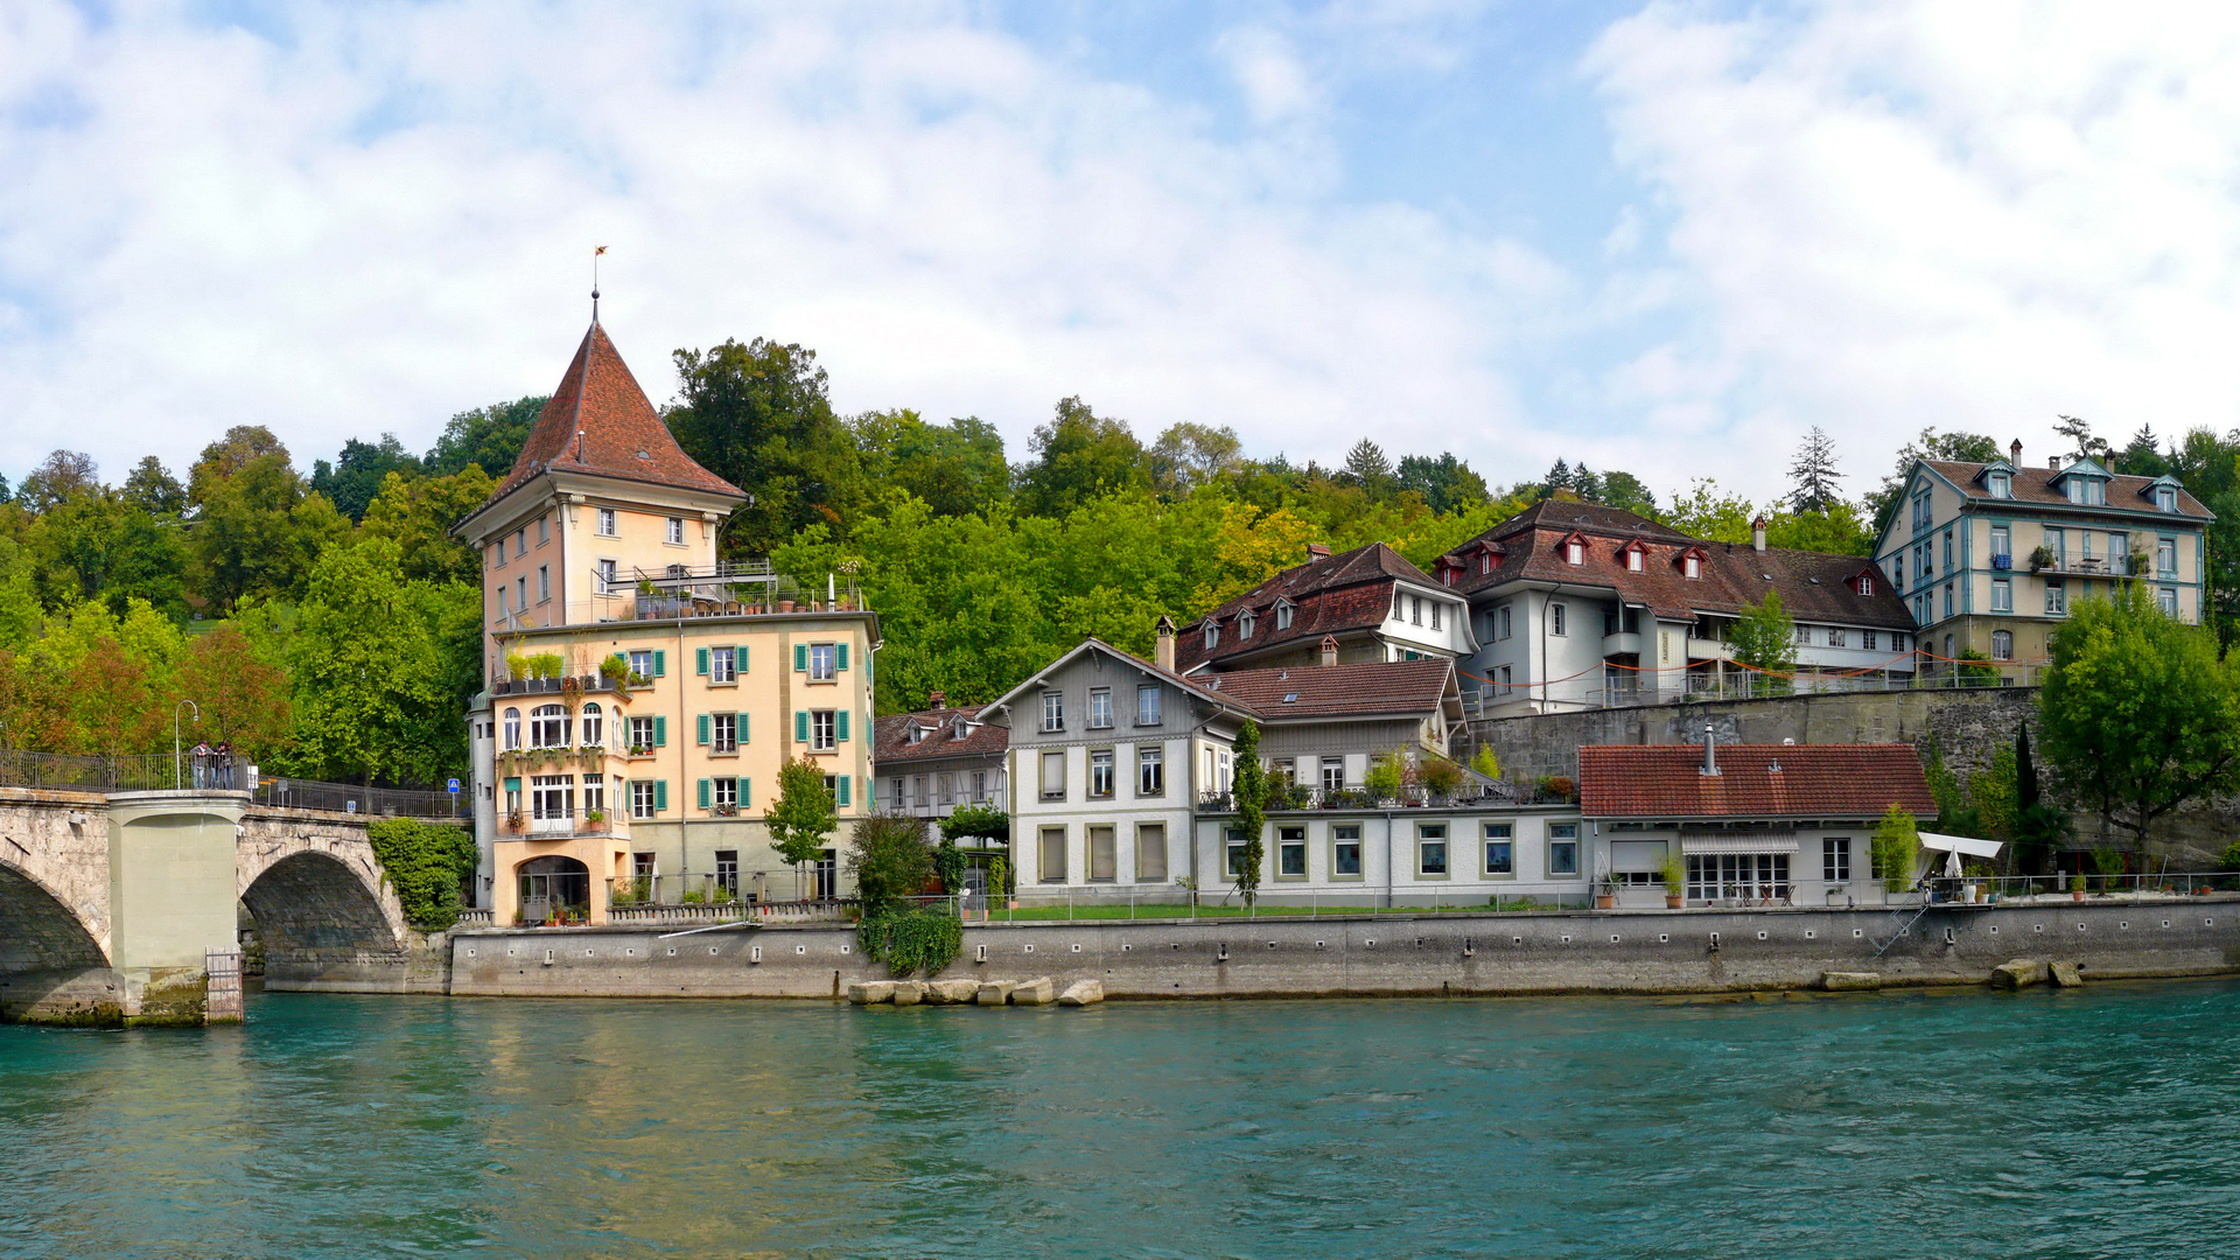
(183, 704)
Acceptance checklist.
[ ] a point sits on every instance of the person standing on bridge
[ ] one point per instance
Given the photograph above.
(201, 755)
(222, 763)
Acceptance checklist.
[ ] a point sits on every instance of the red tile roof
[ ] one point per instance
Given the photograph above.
(1754, 781)
(620, 434)
(1366, 688)
(1815, 587)
(1347, 592)
(2035, 486)
(891, 736)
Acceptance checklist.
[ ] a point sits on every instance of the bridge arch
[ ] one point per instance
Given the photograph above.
(49, 962)
(324, 914)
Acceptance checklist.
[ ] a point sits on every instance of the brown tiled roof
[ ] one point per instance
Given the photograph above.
(1815, 587)
(1190, 686)
(1365, 688)
(2035, 486)
(1340, 594)
(621, 436)
(891, 737)
(1811, 781)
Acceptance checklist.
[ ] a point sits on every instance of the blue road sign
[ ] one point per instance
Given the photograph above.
(451, 786)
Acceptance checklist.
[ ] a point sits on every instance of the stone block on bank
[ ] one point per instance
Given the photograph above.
(1082, 993)
(994, 992)
(2019, 973)
(870, 992)
(952, 992)
(2068, 975)
(1850, 981)
(908, 992)
(1036, 992)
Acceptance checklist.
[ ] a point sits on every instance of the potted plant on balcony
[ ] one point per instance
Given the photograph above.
(1440, 777)
(1606, 891)
(2137, 563)
(616, 671)
(1675, 875)
(517, 822)
(594, 820)
(2042, 558)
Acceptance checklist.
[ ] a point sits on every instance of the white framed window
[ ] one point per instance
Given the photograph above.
(1333, 774)
(512, 727)
(1835, 859)
(723, 665)
(641, 662)
(2167, 599)
(1100, 708)
(2165, 499)
(1575, 552)
(1291, 852)
(2166, 556)
(2057, 599)
(1837, 637)
(675, 534)
(1563, 850)
(1435, 615)
(1415, 610)
(1804, 635)
(606, 577)
(594, 793)
(824, 729)
(980, 786)
(723, 732)
(606, 522)
(723, 796)
(2001, 486)
(1431, 850)
(1633, 559)
(1233, 852)
(594, 725)
(1053, 775)
(521, 542)
(1213, 636)
(1053, 710)
(1147, 705)
(1244, 624)
(1897, 642)
(945, 788)
(1103, 779)
(1921, 514)
(1559, 615)
(2002, 645)
(1283, 616)
(641, 734)
(1869, 639)
(551, 795)
(1948, 599)
(2002, 546)
(544, 583)
(498, 555)
(645, 796)
(548, 726)
(1151, 772)
(824, 662)
(1692, 567)
(521, 594)
(1345, 851)
(1500, 848)
(897, 792)
(2002, 595)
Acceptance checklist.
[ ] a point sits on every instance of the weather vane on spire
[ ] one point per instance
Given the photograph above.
(595, 252)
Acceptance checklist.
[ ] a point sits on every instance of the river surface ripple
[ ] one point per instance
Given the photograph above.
(2104, 1122)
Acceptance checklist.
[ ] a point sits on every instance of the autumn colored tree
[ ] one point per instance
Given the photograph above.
(243, 698)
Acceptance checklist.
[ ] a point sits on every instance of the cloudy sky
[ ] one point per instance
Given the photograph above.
(1667, 239)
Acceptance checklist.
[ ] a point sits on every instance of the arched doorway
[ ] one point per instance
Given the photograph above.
(553, 887)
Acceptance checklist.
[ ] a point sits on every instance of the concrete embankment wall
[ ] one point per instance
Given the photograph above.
(1622, 952)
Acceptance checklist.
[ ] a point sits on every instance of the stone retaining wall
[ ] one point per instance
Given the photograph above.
(1606, 952)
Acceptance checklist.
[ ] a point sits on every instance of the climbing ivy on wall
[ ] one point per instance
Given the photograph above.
(425, 863)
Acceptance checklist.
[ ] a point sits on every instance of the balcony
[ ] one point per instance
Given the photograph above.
(556, 822)
(1709, 650)
(747, 588)
(1622, 644)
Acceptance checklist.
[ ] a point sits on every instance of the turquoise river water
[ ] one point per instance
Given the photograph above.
(2102, 1122)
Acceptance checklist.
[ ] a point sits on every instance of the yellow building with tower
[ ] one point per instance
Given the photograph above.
(640, 693)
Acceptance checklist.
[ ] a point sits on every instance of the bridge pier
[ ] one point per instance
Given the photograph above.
(172, 895)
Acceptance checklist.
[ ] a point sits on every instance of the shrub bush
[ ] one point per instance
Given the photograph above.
(426, 863)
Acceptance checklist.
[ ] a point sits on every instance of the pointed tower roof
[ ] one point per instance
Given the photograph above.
(599, 422)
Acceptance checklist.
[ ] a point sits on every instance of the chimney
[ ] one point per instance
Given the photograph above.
(2014, 453)
(1329, 649)
(1710, 752)
(936, 699)
(1758, 534)
(1318, 551)
(2053, 462)
(1162, 655)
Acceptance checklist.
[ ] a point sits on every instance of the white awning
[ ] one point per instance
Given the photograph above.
(1738, 842)
(1965, 846)
(1637, 855)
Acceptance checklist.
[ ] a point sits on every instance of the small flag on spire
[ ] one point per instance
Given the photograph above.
(600, 250)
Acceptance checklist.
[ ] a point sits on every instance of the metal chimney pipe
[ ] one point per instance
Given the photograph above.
(1710, 750)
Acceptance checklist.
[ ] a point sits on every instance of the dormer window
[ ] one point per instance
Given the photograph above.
(1283, 615)
(1213, 636)
(959, 729)
(1575, 552)
(1866, 584)
(1485, 562)
(1632, 555)
(2165, 499)
(1244, 625)
(1691, 567)
(2002, 486)
(2087, 491)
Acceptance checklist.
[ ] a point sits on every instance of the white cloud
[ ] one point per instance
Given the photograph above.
(387, 215)
(1971, 216)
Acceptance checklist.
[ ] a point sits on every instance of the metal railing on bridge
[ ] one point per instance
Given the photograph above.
(159, 772)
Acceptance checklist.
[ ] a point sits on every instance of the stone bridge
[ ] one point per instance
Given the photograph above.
(110, 904)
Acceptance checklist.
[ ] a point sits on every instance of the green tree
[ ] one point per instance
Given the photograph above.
(2038, 826)
(489, 438)
(1445, 483)
(955, 469)
(60, 477)
(1839, 531)
(152, 489)
(2142, 457)
(1367, 468)
(242, 696)
(2137, 713)
(802, 817)
(1764, 640)
(1813, 475)
(1624, 490)
(757, 415)
(1882, 502)
(19, 598)
(1188, 455)
(357, 475)
(417, 514)
(229, 456)
(1251, 789)
(1896, 849)
(1710, 513)
(1079, 456)
(890, 860)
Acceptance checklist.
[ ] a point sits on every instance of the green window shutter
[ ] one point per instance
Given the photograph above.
(660, 663)
(844, 790)
(800, 658)
(743, 728)
(705, 796)
(800, 726)
(660, 731)
(513, 784)
(700, 661)
(703, 723)
(739, 659)
(746, 794)
(660, 796)
(871, 793)
(840, 654)
(840, 726)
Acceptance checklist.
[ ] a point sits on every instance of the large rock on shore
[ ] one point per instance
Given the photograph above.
(995, 992)
(909, 992)
(1850, 981)
(1082, 993)
(952, 992)
(870, 992)
(2019, 973)
(2068, 975)
(1036, 992)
